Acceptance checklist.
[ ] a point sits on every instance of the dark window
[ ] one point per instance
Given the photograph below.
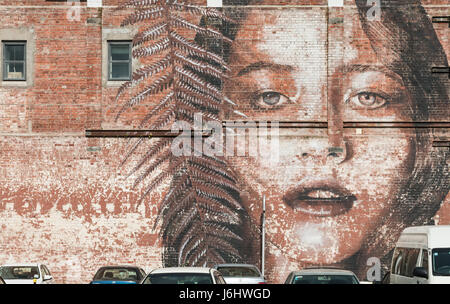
(397, 260)
(411, 262)
(325, 279)
(117, 274)
(441, 261)
(14, 60)
(425, 259)
(19, 272)
(237, 271)
(179, 278)
(119, 60)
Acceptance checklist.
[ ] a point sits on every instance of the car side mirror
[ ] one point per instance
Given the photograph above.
(420, 272)
(48, 277)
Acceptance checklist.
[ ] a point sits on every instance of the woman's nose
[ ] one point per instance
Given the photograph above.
(325, 152)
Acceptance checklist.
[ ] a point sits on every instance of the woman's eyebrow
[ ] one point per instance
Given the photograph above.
(265, 65)
(345, 69)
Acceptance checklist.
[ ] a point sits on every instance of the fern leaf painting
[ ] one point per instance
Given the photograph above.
(201, 212)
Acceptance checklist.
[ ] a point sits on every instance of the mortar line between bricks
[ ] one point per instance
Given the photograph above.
(37, 134)
(224, 6)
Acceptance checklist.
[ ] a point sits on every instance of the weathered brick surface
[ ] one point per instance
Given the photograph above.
(64, 199)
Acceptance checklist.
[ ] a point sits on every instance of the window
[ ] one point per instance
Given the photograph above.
(14, 60)
(218, 277)
(119, 60)
(441, 261)
(411, 261)
(424, 259)
(397, 261)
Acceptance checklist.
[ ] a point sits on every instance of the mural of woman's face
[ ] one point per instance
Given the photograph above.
(321, 203)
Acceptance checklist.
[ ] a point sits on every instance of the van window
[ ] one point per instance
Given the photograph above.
(410, 261)
(425, 259)
(441, 261)
(404, 261)
(397, 261)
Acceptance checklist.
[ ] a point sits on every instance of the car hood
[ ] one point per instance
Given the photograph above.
(113, 282)
(243, 280)
(441, 280)
(19, 281)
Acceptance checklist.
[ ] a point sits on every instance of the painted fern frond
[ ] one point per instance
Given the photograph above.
(201, 212)
(150, 33)
(153, 49)
(197, 10)
(143, 73)
(143, 14)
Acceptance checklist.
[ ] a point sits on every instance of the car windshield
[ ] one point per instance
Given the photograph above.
(235, 271)
(117, 274)
(19, 272)
(179, 278)
(441, 261)
(325, 279)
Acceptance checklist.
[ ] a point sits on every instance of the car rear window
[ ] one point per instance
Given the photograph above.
(325, 279)
(179, 278)
(117, 274)
(234, 271)
(19, 272)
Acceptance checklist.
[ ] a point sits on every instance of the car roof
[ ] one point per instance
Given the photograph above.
(119, 266)
(21, 265)
(181, 270)
(323, 271)
(235, 265)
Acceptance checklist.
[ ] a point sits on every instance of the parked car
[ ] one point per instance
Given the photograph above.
(184, 275)
(240, 274)
(322, 276)
(25, 274)
(422, 256)
(119, 275)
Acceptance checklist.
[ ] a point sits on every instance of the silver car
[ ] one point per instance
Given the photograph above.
(240, 274)
(184, 275)
(322, 276)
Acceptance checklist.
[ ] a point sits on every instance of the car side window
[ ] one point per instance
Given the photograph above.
(397, 261)
(288, 279)
(424, 263)
(218, 278)
(47, 272)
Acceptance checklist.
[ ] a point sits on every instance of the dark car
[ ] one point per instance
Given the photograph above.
(322, 276)
(119, 275)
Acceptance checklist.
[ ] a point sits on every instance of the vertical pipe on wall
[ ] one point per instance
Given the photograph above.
(263, 224)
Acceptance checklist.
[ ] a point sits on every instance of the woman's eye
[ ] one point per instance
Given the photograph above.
(270, 99)
(367, 100)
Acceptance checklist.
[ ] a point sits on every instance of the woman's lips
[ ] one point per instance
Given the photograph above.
(320, 200)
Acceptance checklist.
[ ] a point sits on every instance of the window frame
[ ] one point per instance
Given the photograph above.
(111, 61)
(5, 43)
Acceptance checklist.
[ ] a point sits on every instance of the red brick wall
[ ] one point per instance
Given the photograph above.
(64, 199)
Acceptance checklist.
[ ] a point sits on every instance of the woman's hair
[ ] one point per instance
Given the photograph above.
(405, 42)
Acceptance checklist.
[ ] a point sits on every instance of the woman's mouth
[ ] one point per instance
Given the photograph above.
(320, 200)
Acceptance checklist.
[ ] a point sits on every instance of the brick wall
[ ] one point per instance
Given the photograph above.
(65, 200)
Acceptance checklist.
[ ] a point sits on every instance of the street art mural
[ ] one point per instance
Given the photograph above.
(334, 197)
(328, 114)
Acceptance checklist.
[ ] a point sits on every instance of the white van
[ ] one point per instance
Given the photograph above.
(422, 256)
